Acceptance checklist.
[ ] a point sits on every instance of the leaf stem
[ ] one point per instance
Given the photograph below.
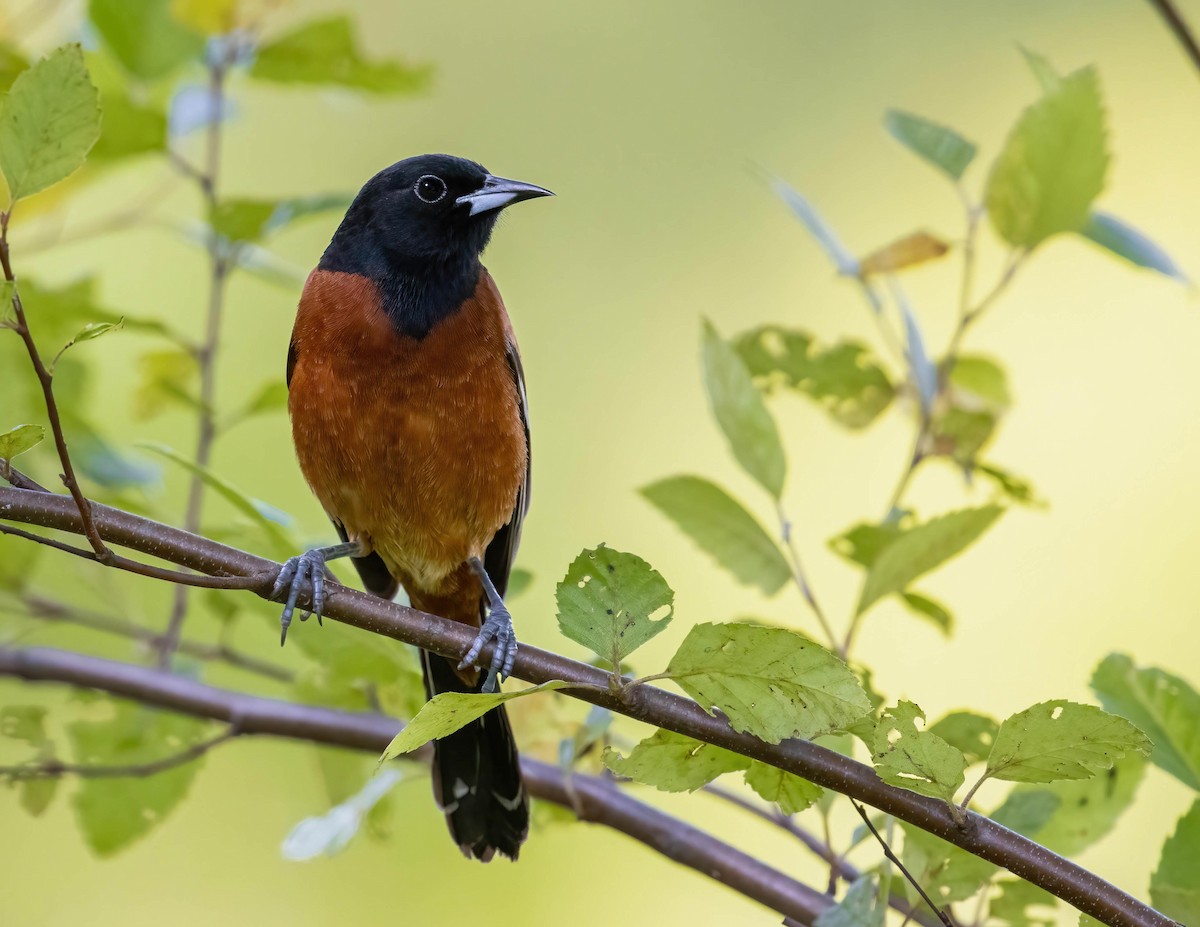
(966, 802)
(52, 769)
(801, 579)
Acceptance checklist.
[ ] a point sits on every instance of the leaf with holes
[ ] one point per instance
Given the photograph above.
(770, 682)
(609, 600)
(1061, 740)
(914, 759)
(791, 793)
(944, 148)
(444, 714)
(49, 121)
(674, 763)
(1165, 706)
(723, 529)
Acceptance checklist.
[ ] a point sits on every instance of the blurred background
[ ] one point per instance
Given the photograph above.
(654, 124)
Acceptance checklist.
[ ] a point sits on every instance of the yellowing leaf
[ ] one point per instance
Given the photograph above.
(914, 248)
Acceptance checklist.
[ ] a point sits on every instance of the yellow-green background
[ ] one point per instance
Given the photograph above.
(651, 121)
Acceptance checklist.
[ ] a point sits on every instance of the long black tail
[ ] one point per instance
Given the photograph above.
(477, 775)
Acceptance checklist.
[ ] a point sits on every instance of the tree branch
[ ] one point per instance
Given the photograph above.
(592, 799)
(1178, 25)
(49, 769)
(976, 834)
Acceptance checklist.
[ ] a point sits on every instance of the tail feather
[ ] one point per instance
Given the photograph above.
(477, 775)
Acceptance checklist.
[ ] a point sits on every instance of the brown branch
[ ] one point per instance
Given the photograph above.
(592, 799)
(45, 380)
(1178, 25)
(976, 834)
(50, 769)
(49, 610)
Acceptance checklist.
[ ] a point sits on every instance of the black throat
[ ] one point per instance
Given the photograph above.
(416, 295)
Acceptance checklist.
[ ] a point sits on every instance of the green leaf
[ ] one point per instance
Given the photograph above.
(947, 873)
(1011, 907)
(165, 377)
(1053, 164)
(723, 529)
(20, 439)
(770, 682)
(863, 543)
(1013, 487)
(35, 795)
(913, 759)
(518, 581)
(48, 123)
(1028, 809)
(1174, 887)
(114, 812)
(248, 220)
(444, 714)
(89, 332)
(17, 560)
(791, 793)
(271, 397)
(969, 731)
(609, 600)
(12, 63)
(1061, 740)
(1162, 705)
(1047, 78)
(267, 517)
(24, 722)
(324, 51)
(144, 37)
(1084, 810)
(931, 611)
(1126, 242)
(674, 763)
(738, 408)
(981, 381)
(859, 907)
(845, 379)
(944, 148)
(925, 547)
(130, 128)
(803, 210)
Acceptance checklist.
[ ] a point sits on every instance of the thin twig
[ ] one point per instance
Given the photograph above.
(207, 354)
(976, 834)
(52, 769)
(801, 578)
(45, 379)
(1179, 26)
(895, 860)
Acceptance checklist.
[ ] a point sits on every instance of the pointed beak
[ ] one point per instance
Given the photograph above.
(497, 192)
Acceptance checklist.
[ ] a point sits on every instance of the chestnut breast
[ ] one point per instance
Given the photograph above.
(416, 446)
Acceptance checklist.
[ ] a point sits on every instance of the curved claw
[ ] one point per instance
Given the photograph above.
(498, 628)
(306, 569)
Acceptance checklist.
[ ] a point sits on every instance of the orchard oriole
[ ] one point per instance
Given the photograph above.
(408, 411)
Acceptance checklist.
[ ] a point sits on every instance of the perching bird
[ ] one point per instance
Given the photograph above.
(409, 417)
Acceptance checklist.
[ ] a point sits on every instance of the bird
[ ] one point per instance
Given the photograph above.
(410, 421)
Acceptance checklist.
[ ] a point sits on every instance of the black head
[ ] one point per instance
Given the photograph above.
(418, 228)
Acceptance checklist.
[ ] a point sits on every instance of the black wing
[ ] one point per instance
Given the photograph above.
(374, 572)
(498, 559)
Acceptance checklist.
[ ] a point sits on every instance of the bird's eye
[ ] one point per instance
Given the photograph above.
(430, 189)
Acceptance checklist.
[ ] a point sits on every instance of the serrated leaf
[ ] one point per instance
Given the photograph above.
(723, 529)
(444, 714)
(1085, 810)
(803, 210)
(791, 793)
(770, 682)
(24, 722)
(944, 148)
(859, 907)
(908, 251)
(1174, 887)
(923, 548)
(968, 731)
(144, 37)
(914, 759)
(739, 409)
(35, 795)
(1061, 740)
(114, 812)
(1052, 166)
(20, 439)
(674, 763)
(325, 51)
(609, 600)
(1123, 240)
(48, 122)
(1163, 705)
(933, 612)
(845, 379)
(947, 873)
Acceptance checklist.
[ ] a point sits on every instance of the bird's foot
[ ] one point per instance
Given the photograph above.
(497, 627)
(305, 572)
